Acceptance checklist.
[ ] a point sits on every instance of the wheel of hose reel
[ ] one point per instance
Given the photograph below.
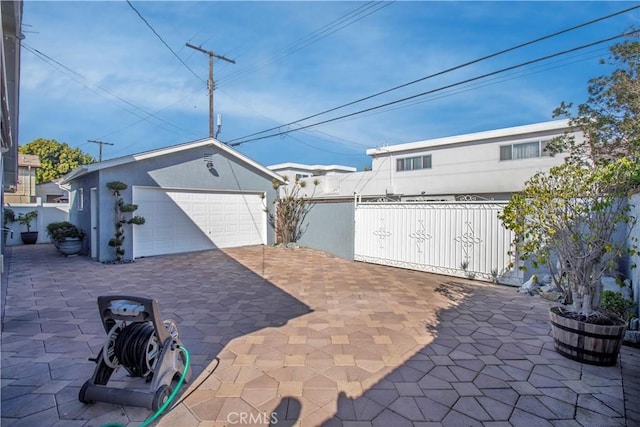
(83, 391)
(162, 394)
(152, 354)
(172, 327)
(108, 350)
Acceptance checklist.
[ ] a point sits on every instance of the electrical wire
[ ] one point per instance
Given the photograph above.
(448, 70)
(163, 42)
(490, 82)
(442, 88)
(83, 81)
(323, 32)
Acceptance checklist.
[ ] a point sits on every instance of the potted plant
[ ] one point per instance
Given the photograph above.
(122, 218)
(66, 237)
(9, 216)
(575, 220)
(28, 237)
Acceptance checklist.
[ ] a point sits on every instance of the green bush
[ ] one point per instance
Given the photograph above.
(615, 303)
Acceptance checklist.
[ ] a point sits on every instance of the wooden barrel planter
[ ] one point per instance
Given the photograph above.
(586, 342)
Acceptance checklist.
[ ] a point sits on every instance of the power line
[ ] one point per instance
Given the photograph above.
(83, 81)
(482, 76)
(489, 82)
(448, 70)
(311, 38)
(162, 40)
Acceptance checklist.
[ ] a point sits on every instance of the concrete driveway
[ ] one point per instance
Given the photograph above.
(299, 337)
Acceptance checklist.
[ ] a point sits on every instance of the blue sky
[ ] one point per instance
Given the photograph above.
(96, 71)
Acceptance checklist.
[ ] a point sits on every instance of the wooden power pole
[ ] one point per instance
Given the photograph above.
(210, 83)
(100, 143)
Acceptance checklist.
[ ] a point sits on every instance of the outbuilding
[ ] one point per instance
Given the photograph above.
(194, 196)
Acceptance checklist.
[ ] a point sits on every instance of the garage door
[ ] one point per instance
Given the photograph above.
(186, 221)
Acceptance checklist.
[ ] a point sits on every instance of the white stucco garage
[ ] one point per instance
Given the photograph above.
(194, 196)
(183, 220)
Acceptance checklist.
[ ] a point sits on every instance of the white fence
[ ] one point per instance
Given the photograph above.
(47, 213)
(464, 239)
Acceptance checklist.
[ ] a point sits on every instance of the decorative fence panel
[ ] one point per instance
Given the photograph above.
(464, 239)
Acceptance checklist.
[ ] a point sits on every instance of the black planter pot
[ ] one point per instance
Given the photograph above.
(29, 237)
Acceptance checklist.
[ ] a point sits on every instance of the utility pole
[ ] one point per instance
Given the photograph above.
(210, 83)
(101, 143)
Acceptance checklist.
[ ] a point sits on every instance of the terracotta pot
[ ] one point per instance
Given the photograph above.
(586, 342)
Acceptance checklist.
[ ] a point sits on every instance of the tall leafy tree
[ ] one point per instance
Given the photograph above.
(57, 158)
(610, 117)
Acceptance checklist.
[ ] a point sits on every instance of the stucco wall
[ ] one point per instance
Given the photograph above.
(47, 213)
(184, 169)
(634, 273)
(331, 228)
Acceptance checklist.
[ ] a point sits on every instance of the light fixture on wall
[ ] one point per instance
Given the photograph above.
(208, 159)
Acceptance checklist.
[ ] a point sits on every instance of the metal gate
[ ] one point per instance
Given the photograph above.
(464, 239)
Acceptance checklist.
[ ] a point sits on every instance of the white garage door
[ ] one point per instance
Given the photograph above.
(186, 220)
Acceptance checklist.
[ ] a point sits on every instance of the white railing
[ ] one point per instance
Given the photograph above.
(464, 239)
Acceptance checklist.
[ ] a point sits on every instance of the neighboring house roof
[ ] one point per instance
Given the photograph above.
(473, 137)
(312, 168)
(93, 167)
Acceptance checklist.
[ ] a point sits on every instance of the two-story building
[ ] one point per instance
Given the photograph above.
(24, 191)
(300, 171)
(489, 165)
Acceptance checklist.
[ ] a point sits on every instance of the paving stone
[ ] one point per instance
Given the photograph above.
(520, 418)
(456, 419)
(444, 397)
(533, 405)
(467, 389)
(389, 418)
(367, 409)
(524, 388)
(27, 404)
(409, 389)
(558, 407)
(593, 419)
(402, 353)
(431, 410)
(408, 408)
(563, 394)
(472, 408)
(565, 423)
(589, 402)
(497, 410)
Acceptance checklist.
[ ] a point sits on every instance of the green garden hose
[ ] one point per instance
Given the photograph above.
(173, 394)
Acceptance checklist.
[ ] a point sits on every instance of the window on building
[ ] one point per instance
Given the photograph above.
(302, 175)
(80, 198)
(413, 163)
(524, 150)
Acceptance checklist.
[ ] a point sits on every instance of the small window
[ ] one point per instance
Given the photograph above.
(413, 163)
(80, 198)
(525, 150)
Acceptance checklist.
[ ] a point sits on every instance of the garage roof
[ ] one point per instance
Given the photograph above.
(93, 167)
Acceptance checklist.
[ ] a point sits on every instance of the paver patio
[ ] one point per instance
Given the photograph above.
(304, 338)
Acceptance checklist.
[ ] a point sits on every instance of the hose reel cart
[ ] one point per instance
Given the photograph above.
(147, 347)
